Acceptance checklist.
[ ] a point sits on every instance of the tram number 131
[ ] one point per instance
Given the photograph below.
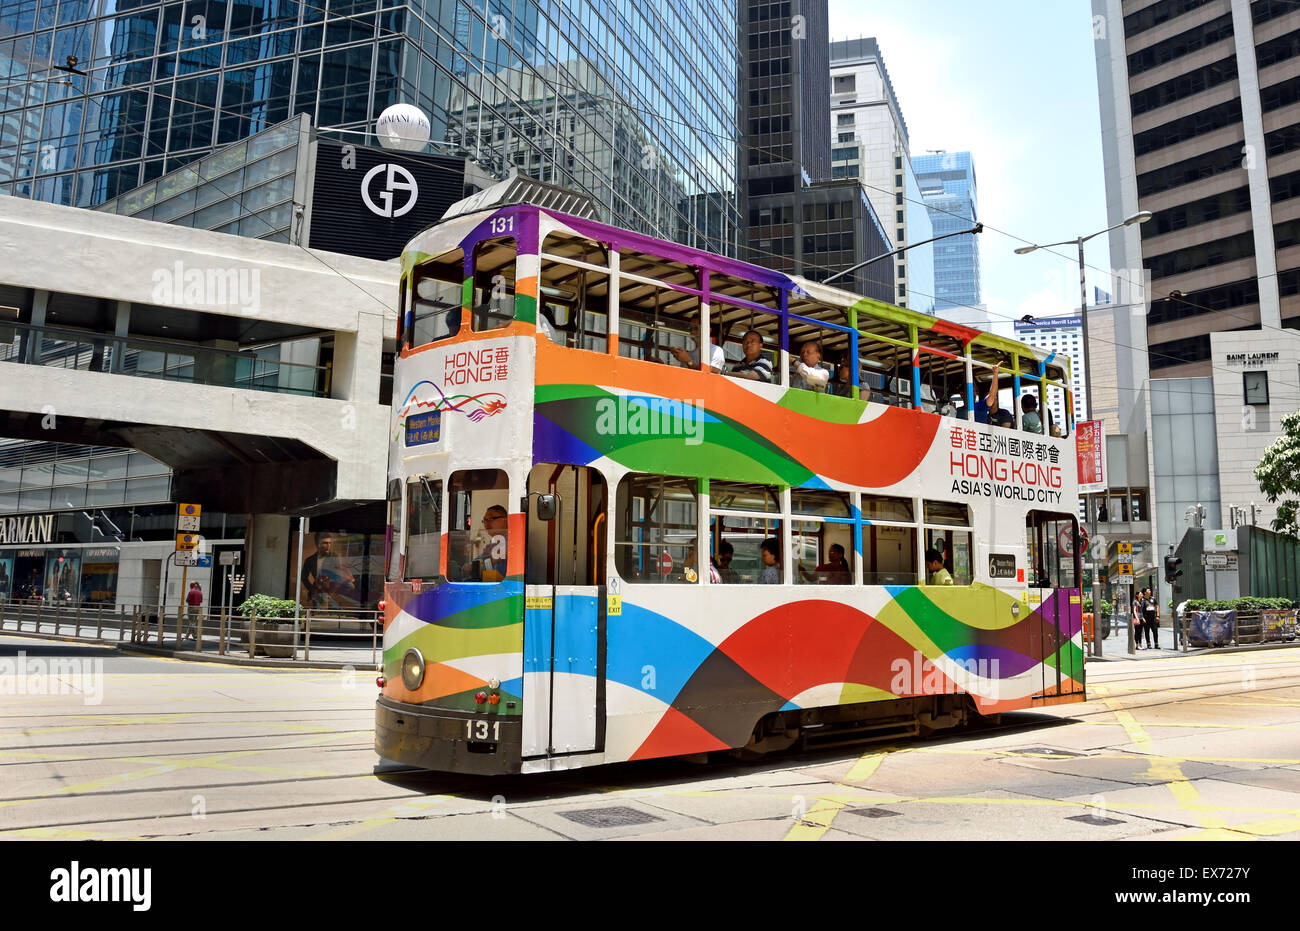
(479, 729)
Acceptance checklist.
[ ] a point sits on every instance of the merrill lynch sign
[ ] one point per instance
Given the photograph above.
(35, 529)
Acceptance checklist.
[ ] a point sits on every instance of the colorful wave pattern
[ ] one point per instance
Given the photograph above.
(476, 407)
(816, 652)
(467, 635)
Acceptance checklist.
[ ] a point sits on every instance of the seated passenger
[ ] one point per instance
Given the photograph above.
(842, 386)
(808, 373)
(722, 562)
(755, 366)
(835, 571)
(717, 359)
(770, 551)
(688, 567)
(1057, 431)
(986, 407)
(1029, 419)
(936, 574)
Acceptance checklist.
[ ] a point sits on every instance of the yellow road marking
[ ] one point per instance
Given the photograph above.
(1169, 771)
(817, 820)
(397, 812)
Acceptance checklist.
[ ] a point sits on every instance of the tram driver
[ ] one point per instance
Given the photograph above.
(489, 564)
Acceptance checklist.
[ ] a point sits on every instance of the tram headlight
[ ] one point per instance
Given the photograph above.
(412, 670)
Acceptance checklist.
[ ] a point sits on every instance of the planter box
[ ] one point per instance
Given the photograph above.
(273, 640)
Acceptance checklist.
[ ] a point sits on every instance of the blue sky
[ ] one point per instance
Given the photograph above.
(1015, 83)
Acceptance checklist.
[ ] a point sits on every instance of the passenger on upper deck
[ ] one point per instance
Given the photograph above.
(1029, 418)
(842, 386)
(717, 359)
(808, 373)
(755, 366)
(986, 407)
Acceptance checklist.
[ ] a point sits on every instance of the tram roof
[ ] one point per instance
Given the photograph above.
(431, 241)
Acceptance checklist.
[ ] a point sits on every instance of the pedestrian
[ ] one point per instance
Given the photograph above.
(1138, 617)
(194, 599)
(1151, 619)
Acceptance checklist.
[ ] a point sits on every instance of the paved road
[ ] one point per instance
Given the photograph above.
(1202, 747)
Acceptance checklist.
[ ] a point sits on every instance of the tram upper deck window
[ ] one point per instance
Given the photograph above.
(494, 284)
(655, 529)
(658, 322)
(423, 528)
(573, 309)
(436, 299)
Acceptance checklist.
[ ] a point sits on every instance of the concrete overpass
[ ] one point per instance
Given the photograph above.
(252, 368)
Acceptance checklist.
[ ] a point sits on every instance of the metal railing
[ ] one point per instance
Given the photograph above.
(349, 638)
(151, 358)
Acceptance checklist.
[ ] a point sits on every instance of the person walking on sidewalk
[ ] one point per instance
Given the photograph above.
(1138, 617)
(1151, 619)
(194, 599)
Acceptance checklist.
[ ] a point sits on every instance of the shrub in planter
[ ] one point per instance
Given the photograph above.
(276, 613)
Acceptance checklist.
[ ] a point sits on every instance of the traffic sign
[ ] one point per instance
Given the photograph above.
(1124, 569)
(187, 541)
(665, 563)
(186, 558)
(1125, 549)
(187, 525)
(1123, 580)
(230, 557)
(189, 510)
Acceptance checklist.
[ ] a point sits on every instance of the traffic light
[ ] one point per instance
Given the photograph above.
(1172, 572)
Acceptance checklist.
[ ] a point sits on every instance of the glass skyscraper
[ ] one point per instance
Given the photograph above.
(947, 182)
(632, 103)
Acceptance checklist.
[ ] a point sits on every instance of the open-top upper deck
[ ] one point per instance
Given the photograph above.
(611, 290)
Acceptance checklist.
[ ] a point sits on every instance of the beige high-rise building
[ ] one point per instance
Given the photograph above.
(1200, 114)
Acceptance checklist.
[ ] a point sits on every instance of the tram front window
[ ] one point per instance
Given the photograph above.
(477, 521)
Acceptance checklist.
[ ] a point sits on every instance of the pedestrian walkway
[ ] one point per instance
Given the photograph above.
(1115, 648)
(326, 651)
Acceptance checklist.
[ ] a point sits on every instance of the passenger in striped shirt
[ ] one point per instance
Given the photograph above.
(755, 366)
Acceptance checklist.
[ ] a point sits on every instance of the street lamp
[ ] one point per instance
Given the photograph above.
(1139, 217)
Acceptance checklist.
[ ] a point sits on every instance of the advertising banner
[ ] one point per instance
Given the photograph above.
(1277, 624)
(1211, 626)
(1090, 448)
(339, 571)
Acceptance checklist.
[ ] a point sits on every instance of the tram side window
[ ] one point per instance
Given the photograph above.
(955, 545)
(423, 528)
(573, 308)
(394, 572)
(436, 299)
(888, 541)
(494, 284)
(823, 549)
(655, 529)
(477, 525)
(747, 519)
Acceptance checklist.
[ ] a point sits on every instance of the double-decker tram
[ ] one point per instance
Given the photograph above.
(648, 501)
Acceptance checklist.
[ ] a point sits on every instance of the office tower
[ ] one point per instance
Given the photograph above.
(635, 106)
(871, 144)
(799, 219)
(947, 181)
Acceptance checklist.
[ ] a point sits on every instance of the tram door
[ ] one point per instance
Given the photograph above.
(1053, 547)
(564, 616)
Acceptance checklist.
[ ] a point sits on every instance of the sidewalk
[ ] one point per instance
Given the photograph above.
(1115, 648)
(324, 654)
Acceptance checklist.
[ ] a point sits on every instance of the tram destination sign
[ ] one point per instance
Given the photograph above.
(36, 528)
(423, 428)
(1002, 565)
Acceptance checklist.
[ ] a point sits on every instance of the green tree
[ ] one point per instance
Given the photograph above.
(1278, 474)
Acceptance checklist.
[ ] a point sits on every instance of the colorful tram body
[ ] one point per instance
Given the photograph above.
(564, 661)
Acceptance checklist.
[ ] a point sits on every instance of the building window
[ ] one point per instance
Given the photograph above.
(844, 119)
(844, 83)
